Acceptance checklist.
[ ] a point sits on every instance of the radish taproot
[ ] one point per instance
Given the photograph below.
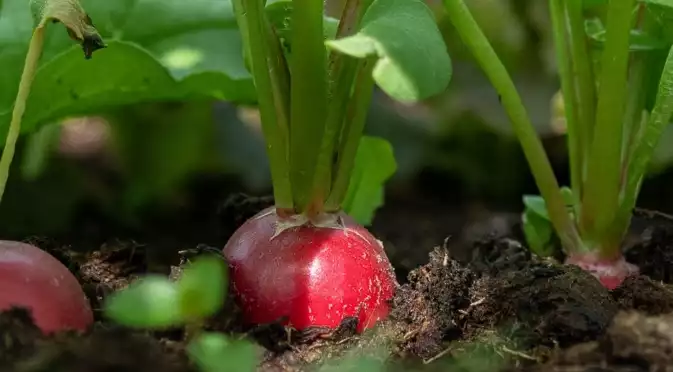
(303, 275)
(33, 279)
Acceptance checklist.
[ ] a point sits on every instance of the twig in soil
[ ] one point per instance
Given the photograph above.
(407, 336)
(445, 247)
(439, 355)
(473, 304)
(288, 332)
(652, 214)
(518, 353)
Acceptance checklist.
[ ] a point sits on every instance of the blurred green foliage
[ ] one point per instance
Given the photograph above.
(156, 149)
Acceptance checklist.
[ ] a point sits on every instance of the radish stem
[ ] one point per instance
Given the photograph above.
(29, 69)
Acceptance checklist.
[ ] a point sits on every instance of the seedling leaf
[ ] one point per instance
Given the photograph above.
(374, 164)
(214, 352)
(413, 63)
(537, 226)
(202, 287)
(151, 302)
(535, 204)
(539, 233)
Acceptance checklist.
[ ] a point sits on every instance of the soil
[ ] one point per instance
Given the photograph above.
(472, 298)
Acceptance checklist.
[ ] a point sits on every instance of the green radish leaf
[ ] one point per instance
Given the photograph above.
(412, 60)
(374, 165)
(539, 233)
(215, 352)
(537, 226)
(156, 50)
(535, 204)
(657, 123)
(202, 287)
(151, 302)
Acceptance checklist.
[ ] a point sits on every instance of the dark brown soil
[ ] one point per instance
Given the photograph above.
(473, 299)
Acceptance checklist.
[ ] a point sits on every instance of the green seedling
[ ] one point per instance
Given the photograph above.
(155, 302)
(616, 75)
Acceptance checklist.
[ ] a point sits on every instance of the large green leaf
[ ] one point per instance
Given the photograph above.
(374, 165)
(412, 60)
(157, 50)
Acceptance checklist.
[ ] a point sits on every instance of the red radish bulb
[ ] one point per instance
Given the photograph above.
(611, 273)
(33, 279)
(309, 274)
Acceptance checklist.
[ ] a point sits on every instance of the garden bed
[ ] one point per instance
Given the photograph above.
(475, 301)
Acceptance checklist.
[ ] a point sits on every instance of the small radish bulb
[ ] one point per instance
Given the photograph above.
(33, 279)
(306, 274)
(611, 273)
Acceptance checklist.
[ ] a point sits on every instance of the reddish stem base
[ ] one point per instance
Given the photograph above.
(611, 273)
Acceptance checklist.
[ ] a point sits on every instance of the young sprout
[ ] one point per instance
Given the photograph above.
(612, 127)
(155, 302)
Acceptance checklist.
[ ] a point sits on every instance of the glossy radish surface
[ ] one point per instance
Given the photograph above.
(309, 276)
(611, 273)
(34, 279)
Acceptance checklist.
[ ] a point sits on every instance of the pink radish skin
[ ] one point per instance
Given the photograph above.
(307, 276)
(611, 273)
(33, 279)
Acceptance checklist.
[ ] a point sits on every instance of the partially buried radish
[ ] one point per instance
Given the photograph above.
(291, 270)
(305, 262)
(33, 279)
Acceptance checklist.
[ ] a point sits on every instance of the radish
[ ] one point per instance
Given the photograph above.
(309, 275)
(305, 262)
(610, 272)
(33, 279)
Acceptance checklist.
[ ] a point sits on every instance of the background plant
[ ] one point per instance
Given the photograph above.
(610, 143)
